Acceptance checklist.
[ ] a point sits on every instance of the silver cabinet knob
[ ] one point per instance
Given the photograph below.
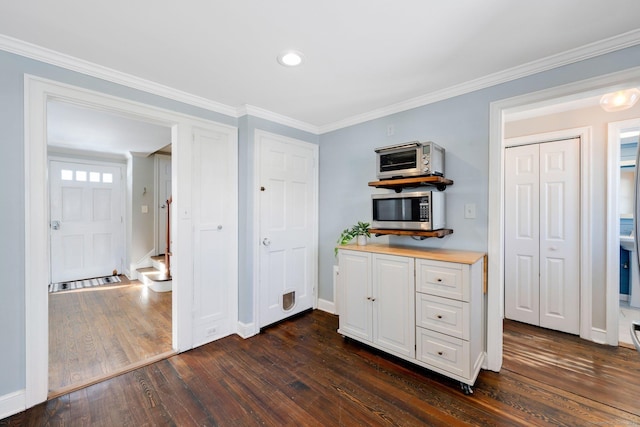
(219, 227)
(266, 241)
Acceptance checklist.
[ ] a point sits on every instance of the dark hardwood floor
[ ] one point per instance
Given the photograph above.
(302, 372)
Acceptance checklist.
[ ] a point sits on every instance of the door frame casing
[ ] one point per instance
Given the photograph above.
(37, 92)
(613, 227)
(498, 109)
(254, 328)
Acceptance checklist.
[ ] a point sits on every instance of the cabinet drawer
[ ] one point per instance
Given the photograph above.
(443, 315)
(444, 352)
(440, 278)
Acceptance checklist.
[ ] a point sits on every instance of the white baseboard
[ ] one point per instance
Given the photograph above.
(247, 330)
(328, 306)
(599, 336)
(12, 403)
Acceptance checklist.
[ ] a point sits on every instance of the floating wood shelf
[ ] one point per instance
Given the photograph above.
(422, 234)
(398, 184)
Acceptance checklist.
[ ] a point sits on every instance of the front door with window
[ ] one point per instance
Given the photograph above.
(85, 220)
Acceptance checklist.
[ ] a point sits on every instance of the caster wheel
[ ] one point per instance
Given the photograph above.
(466, 388)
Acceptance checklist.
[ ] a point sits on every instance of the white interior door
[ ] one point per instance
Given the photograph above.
(163, 171)
(560, 235)
(542, 235)
(86, 230)
(522, 234)
(288, 230)
(215, 227)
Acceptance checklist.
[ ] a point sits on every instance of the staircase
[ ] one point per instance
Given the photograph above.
(156, 277)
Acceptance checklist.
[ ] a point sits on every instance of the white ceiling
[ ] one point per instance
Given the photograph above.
(360, 55)
(78, 128)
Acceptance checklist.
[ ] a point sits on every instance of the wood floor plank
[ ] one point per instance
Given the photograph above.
(302, 372)
(96, 332)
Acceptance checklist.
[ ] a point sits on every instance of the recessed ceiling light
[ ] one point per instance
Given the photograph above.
(290, 58)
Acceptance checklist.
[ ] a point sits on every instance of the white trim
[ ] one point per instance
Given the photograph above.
(613, 227)
(37, 92)
(586, 173)
(496, 189)
(253, 111)
(68, 62)
(328, 306)
(599, 336)
(582, 53)
(601, 47)
(256, 238)
(12, 403)
(247, 330)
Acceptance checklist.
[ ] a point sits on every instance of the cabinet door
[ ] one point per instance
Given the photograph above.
(355, 294)
(393, 304)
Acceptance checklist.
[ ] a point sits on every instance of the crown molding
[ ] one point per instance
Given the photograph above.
(29, 50)
(254, 111)
(591, 50)
(52, 57)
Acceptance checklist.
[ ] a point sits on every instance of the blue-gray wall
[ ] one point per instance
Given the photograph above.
(461, 124)
(12, 262)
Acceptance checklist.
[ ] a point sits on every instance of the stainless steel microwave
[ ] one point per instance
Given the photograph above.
(422, 210)
(410, 159)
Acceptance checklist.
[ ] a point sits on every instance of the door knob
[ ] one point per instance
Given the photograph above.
(55, 225)
(266, 241)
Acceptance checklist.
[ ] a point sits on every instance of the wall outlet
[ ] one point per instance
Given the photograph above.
(470, 211)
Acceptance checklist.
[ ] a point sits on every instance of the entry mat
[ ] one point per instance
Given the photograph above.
(80, 284)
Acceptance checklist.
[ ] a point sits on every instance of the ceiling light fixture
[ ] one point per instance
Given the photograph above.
(620, 100)
(290, 58)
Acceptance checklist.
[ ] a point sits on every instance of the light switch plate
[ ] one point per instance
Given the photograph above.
(470, 211)
(145, 209)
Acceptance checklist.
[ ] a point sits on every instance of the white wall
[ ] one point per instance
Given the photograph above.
(143, 230)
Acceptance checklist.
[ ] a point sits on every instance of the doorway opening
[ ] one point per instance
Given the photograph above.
(622, 137)
(596, 324)
(101, 177)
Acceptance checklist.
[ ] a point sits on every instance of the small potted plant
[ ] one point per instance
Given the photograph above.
(360, 231)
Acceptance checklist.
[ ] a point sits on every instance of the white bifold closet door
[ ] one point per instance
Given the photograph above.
(542, 234)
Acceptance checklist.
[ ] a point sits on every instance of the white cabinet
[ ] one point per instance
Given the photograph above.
(425, 306)
(377, 300)
(450, 318)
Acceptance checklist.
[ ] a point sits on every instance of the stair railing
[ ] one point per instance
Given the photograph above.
(167, 252)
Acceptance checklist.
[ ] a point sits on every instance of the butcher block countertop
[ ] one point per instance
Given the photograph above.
(447, 255)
